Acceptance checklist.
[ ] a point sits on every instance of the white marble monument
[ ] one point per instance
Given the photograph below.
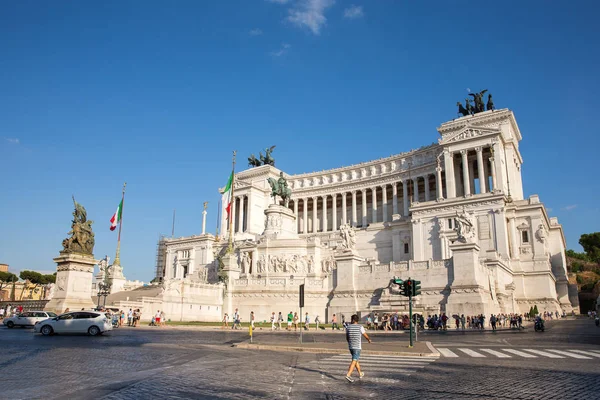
(452, 215)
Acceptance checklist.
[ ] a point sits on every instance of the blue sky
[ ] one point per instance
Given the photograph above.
(158, 94)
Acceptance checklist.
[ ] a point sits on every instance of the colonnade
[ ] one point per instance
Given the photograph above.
(466, 172)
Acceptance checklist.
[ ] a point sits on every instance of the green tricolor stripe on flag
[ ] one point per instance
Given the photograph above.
(114, 221)
(228, 192)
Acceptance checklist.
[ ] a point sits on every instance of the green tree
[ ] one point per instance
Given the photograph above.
(535, 310)
(591, 245)
(579, 256)
(6, 278)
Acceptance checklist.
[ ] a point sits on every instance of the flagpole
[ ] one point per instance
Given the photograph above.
(230, 245)
(117, 258)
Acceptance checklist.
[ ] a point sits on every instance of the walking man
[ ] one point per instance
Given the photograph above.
(354, 333)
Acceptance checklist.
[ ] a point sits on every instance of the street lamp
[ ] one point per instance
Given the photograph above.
(103, 291)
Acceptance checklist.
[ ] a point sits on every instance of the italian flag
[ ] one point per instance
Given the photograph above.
(114, 221)
(228, 192)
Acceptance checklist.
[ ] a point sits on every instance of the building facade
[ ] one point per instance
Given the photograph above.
(451, 214)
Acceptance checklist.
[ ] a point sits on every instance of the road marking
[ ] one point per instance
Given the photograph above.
(543, 353)
(568, 353)
(589, 353)
(496, 353)
(472, 353)
(447, 352)
(519, 353)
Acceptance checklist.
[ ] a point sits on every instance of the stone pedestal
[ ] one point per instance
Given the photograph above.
(73, 283)
(344, 299)
(116, 278)
(232, 269)
(466, 294)
(281, 223)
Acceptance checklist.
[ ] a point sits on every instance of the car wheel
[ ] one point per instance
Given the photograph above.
(94, 330)
(10, 324)
(47, 330)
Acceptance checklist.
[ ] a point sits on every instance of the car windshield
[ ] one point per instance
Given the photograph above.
(51, 314)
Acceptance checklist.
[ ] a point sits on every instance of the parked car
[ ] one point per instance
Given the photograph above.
(90, 322)
(28, 318)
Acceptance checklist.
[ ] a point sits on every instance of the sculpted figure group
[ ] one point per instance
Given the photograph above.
(82, 238)
(348, 237)
(290, 264)
(267, 159)
(477, 106)
(465, 226)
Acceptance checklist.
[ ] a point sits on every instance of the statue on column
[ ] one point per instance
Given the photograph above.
(82, 237)
(465, 227)
(280, 188)
(348, 236)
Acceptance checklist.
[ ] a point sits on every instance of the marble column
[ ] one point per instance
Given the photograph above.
(354, 219)
(324, 213)
(493, 171)
(374, 201)
(426, 181)
(438, 183)
(480, 170)
(384, 205)
(449, 168)
(395, 198)
(465, 166)
(334, 212)
(344, 209)
(514, 237)
(296, 214)
(416, 191)
(305, 215)
(405, 197)
(315, 217)
(241, 214)
(364, 208)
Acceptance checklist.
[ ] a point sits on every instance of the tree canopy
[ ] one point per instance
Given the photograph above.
(591, 245)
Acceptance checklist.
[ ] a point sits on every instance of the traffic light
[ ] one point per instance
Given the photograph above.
(416, 287)
(408, 288)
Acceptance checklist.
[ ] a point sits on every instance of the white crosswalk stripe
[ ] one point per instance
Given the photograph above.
(519, 353)
(472, 353)
(446, 352)
(373, 365)
(587, 353)
(525, 353)
(496, 353)
(569, 354)
(543, 353)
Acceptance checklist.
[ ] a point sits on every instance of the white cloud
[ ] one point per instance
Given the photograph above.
(283, 50)
(570, 207)
(255, 32)
(279, 1)
(12, 140)
(468, 90)
(353, 12)
(310, 14)
(548, 209)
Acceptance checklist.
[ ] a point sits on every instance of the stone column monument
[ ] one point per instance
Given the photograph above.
(75, 266)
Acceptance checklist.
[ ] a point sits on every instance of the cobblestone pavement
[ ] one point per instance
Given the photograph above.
(178, 364)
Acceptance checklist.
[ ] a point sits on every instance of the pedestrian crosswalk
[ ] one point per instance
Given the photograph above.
(375, 367)
(524, 353)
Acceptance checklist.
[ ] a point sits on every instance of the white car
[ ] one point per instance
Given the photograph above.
(28, 318)
(90, 322)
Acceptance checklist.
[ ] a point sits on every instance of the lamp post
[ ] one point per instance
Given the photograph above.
(103, 291)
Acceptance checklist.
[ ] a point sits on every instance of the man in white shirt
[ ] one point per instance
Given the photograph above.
(157, 318)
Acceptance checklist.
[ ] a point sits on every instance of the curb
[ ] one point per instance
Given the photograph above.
(317, 350)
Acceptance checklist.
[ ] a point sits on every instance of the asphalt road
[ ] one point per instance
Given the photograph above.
(167, 363)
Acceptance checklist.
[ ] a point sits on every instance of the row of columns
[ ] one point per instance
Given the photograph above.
(323, 221)
(467, 172)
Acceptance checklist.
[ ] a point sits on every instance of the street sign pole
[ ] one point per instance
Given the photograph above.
(411, 320)
(301, 298)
